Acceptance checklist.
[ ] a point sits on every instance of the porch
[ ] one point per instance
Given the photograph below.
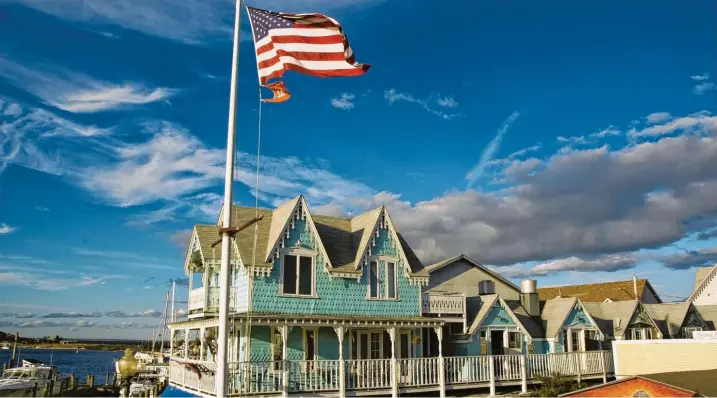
(362, 377)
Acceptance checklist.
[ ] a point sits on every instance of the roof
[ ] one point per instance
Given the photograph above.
(606, 315)
(708, 314)
(669, 317)
(702, 381)
(678, 382)
(554, 313)
(700, 275)
(443, 263)
(341, 237)
(478, 307)
(598, 292)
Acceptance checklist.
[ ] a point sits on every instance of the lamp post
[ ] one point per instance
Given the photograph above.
(127, 367)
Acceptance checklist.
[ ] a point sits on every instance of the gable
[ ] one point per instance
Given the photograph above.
(461, 275)
(693, 318)
(578, 317)
(497, 316)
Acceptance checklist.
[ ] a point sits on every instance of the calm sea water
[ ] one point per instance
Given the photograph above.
(80, 363)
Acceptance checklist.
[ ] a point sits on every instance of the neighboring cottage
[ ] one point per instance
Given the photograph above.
(700, 383)
(705, 291)
(606, 291)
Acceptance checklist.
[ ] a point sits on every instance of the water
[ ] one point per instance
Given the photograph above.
(98, 363)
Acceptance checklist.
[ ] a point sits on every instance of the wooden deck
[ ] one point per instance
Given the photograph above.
(377, 377)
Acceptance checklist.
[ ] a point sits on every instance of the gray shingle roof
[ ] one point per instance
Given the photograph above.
(669, 317)
(606, 315)
(554, 313)
(477, 308)
(341, 237)
(708, 314)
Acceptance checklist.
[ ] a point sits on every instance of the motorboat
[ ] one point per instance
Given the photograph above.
(30, 379)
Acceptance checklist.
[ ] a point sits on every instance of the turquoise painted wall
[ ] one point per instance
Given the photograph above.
(327, 344)
(497, 316)
(578, 317)
(541, 347)
(559, 344)
(337, 296)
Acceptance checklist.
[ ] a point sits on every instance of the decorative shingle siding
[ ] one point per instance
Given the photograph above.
(578, 317)
(335, 296)
(497, 316)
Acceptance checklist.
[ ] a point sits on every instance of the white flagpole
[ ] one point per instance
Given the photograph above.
(221, 375)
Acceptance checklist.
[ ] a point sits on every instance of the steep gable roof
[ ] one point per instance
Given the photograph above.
(338, 237)
(444, 263)
(708, 313)
(597, 292)
(669, 317)
(479, 307)
(613, 318)
(554, 313)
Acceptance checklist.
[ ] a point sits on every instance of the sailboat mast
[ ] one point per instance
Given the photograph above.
(174, 285)
(221, 375)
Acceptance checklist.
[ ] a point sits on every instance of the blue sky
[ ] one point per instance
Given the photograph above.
(565, 142)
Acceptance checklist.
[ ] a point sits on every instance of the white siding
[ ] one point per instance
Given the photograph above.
(241, 283)
(644, 357)
(709, 295)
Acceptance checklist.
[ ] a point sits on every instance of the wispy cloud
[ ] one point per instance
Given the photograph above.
(704, 84)
(701, 77)
(343, 102)
(72, 315)
(49, 279)
(700, 122)
(6, 229)
(657, 117)
(490, 150)
(77, 93)
(610, 131)
(429, 104)
(139, 314)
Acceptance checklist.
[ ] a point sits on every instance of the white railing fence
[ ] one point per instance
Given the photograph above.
(195, 375)
(433, 303)
(196, 299)
(366, 374)
(418, 372)
(271, 377)
(255, 377)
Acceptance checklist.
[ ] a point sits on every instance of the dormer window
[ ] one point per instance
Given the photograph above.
(382, 279)
(297, 275)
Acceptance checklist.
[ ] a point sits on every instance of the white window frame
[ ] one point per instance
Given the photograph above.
(687, 331)
(274, 349)
(308, 367)
(368, 334)
(382, 285)
(520, 340)
(298, 252)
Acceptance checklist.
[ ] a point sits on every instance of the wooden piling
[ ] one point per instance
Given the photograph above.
(73, 382)
(90, 381)
(107, 379)
(34, 390)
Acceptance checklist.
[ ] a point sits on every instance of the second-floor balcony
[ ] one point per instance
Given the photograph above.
(203, 301)
(444, 304)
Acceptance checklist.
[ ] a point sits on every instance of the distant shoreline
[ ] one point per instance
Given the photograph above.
(81, 347)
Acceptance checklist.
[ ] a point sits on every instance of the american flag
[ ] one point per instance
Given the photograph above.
(313, 44)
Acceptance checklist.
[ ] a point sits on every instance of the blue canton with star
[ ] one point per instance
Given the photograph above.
(262, 21)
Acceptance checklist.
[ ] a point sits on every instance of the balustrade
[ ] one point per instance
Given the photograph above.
(433, 303)
(247, 378)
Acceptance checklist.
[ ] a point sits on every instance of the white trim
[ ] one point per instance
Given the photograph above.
(298, 253)
(382, 285)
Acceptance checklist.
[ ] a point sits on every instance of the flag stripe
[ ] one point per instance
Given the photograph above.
(313, 44)
(270, 52)
(301, 56)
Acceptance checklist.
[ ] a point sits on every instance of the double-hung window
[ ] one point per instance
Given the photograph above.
(382, 280)
(297, 278)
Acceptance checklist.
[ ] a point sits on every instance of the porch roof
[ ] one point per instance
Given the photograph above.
(315, 320)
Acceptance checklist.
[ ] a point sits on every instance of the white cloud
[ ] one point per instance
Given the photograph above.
(700, 122)
(344, 101)
(701, 77)
(658, 117)
(39, 280)
(447, 102)
(41, 208)
(490, 150)
(592, 138)
(609, 131)
(392, 95)
(77, 93)
(188, 21)
(705, 87)
(5, 229)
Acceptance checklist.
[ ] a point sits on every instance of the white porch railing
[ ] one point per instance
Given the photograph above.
(436, 303)
(194, 375)
(362, 374)
(196, 299)
(266, 378)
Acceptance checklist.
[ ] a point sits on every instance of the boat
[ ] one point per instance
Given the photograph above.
(4, 347)
(22, 381)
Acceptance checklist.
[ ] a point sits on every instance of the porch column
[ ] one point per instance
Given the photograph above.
(205, 286)
(186, 343)
(441, 362)
(394, 367)
(491, 374)
(171, 342)
(568, 345)
(284, 330)
(202, 331)
(523, 375)
(603, 367)
(340, 330)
